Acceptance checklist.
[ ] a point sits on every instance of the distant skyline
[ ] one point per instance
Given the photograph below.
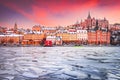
(27, 13)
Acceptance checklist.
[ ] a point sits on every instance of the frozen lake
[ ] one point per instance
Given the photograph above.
(59, 63)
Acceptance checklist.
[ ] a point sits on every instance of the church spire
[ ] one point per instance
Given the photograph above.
(15, 26)
(77, 22)
(89, 17)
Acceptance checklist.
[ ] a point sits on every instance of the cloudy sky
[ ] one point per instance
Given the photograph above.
(27, 13)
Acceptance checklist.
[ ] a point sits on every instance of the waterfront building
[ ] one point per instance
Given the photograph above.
(58, 40)
(98, 37)
(68, 37)
(115, 34)
(11, 39)
(51, 38)
(65, 36)
(98, 30)
(82, 36)
(32, 39)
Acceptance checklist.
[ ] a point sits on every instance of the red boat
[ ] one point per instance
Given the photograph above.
(48, 43)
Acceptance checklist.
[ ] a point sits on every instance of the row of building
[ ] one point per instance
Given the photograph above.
(89, 31)
(76, 37)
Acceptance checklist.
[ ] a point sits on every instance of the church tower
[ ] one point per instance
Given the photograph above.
(89, 17)
(15, 27)
(89, 21)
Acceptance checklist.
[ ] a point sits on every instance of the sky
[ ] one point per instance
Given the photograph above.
(51, 13)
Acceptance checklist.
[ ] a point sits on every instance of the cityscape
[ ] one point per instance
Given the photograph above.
(90, 31)
(59, 40)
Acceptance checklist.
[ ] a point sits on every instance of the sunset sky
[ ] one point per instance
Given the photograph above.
(27, 13)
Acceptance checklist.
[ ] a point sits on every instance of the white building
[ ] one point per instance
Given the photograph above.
(82, 35)
(51, 38)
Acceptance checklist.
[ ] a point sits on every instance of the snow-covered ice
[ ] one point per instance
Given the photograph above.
(59, 63)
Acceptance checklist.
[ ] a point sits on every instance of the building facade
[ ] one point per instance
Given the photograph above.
(98, 37)
(82, 36)
(32, 39)
(11, 39)
(90, 23)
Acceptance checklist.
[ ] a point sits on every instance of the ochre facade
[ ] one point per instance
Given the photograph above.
(32, 39)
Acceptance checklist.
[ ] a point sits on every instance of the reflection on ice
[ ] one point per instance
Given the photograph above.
(59, 63)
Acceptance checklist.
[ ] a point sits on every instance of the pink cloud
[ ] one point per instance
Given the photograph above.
(55, 12)
(43, 12)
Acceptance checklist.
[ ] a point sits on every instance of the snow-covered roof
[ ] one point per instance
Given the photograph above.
(51, 37)
(2, 35)
(11, 35)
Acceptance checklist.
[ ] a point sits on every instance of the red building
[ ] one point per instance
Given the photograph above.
(90, 23)
(98, 37)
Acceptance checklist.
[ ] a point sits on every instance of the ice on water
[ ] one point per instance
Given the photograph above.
(59, 63)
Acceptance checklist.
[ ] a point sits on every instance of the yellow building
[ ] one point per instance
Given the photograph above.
(13, 39)
(68, 37)
(32, 39)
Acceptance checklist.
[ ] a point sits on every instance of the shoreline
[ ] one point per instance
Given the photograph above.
(60, 46)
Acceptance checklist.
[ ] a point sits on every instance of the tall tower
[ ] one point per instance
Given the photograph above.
(89, 17)
(15, 27)
(96, 27)
(89, 21)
